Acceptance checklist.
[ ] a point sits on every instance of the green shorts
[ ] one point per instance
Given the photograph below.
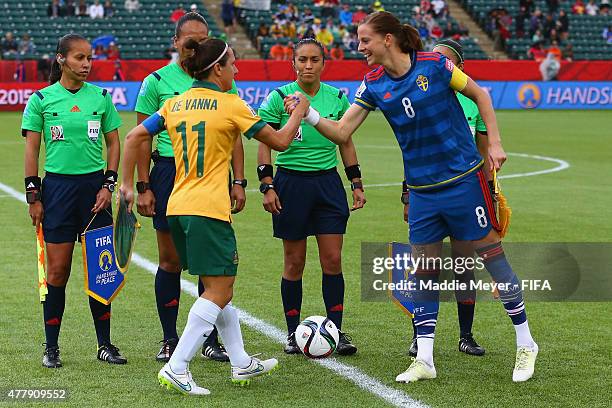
(205, 245)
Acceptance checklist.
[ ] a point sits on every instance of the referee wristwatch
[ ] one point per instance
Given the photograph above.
(242, 183)
(405, 198)
(356, 185)
(109, 186)
(142, 186)
(265, 187)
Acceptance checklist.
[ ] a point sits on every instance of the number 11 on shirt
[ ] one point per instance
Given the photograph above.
(199, 127)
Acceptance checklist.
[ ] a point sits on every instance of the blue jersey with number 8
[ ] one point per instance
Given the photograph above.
(426, 117)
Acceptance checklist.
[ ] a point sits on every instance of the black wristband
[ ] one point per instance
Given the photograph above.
(404, 187)
(110, 177)
(32, 183)
(265, 170)
(353, 172)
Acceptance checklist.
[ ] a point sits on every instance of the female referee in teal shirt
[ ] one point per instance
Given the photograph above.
(71, 115)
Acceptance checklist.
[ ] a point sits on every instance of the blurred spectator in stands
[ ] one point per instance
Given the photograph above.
(262, 32)
(290, 11)
(604, 8)
(339, 32)
(537, 52)
(277, 52)
(96, 10)
(607, 34)
(568, 52)
(425, 6)
(69, 8)
(449, 31)
(228, 16)
(438, 7)
(359, 15)
(177, 13)
(307, 17)
(328, 9)
(536, 22)
(563, 24)
(20, 72)
(578, 7)
(194, 8)
(528, 4)
(520, 22)
(288, 51)
(537, 36)
(132, 5)
(26, 46)
(377, 6)
(54, 9)
(290, 29)
(351, 41)
(423, 31)
(555, 50)
(346, 15)
(436, 32)
(9, 45)
(549, 68)
(109, 10)
(99, 52)
(276, 30)
(336, 53)
(118, 75)
(553, 5)
(553, 36)
(325, 37)
(549, 24)
(43, 67)
(113, 52)
(592, 9)
(81, 9)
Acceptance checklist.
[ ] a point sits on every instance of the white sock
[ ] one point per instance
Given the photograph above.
(200, 322)
(425, 353)
(523, 335)
(229, 330)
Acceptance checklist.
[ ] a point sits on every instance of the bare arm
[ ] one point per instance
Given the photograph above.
(349, 158)
(271, 202)
(144, 160)
(32, 151)
(137, 143)
(281, 139)
(495, 152)
(237, 193)
(113, 149)
(264, 156)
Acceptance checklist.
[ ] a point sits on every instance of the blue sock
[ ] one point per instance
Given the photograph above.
(333, 296)
(500, 270)
(426, 304)
(167, 297)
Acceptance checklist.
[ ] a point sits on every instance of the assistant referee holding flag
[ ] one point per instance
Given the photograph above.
(72, 116)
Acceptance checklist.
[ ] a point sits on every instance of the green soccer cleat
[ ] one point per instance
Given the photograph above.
(418, 370)
(524, 365)
(242, 376)
(183, 383)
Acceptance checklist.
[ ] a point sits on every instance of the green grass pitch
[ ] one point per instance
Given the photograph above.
(573, 368)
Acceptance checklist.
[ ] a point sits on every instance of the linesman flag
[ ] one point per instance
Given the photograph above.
(42, 271)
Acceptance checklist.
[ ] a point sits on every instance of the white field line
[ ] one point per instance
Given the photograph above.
(369, 384)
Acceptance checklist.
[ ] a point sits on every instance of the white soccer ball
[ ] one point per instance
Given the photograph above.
(317, 337)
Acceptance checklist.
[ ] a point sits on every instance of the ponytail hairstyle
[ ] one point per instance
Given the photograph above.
(204, 56)
(307, 41)
(383, 23)
(191, 16)
(61, 52)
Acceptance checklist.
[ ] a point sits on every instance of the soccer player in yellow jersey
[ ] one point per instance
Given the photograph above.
(203, 124)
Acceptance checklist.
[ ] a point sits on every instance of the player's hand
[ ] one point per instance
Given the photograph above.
(359, 199)
(36, 213)
(145, 203)
(128, 196)
(271, 203)
(103, 200)
(406, 212)
(497, 156)
(238, 198)
(302, 104)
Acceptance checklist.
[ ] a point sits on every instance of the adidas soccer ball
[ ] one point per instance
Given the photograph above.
(317, 337)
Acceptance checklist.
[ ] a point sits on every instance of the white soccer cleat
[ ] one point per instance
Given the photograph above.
(418, 370)
(182, 383)
(242, 376)
(525, 363)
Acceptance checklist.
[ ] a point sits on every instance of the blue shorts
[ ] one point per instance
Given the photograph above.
(67, 201)
(464, 211)
(161, 182)
(314, 203)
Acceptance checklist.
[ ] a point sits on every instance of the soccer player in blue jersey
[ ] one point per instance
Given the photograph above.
(449, 195)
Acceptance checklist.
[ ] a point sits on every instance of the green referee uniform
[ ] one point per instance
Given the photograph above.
(472, 115)
(73, 125)
(307, 183)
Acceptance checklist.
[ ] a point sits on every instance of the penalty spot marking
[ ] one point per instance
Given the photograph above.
(369, 384)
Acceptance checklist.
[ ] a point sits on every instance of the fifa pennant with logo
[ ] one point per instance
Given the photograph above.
(103, 279)
(401, 277)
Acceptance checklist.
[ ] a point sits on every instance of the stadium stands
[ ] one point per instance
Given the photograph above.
(585, 31)
(251, 20)
(144, 34)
